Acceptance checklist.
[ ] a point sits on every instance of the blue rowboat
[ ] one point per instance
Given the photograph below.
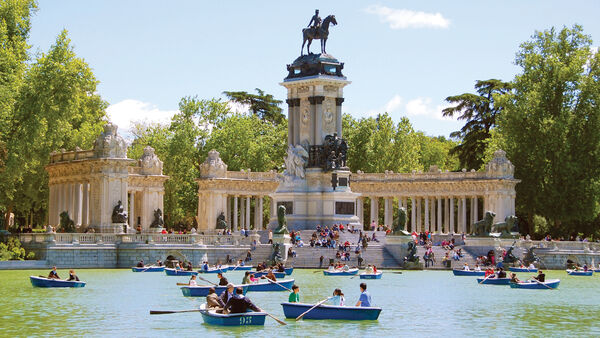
(214, 270)
(460, 272)
(580, 273)
(271, 286)
(293, 310)
(202, 291)
(513, 269)
(240, 268)
(42, 282)
(173, 272)
(288, 271)
(371, 275)
(148, 269)
(264, 273)
(235, 319)
(350, 272)
(547, 285)
(494, 281)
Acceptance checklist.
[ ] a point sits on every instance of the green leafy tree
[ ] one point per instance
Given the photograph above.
(436, 151)
(12, 250)
(265, 106)
(550, 127)
(480, 112)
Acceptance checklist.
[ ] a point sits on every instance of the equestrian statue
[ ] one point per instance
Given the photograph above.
(317, 30)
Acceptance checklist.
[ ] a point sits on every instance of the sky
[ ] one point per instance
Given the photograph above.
(403, 57)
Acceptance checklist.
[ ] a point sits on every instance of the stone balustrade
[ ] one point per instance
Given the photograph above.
(144, 238)
(562, 245)
(66, 156)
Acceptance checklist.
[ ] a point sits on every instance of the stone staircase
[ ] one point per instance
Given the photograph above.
(440, 252)
(308, 257)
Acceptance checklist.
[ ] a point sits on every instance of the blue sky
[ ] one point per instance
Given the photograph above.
(402, 57)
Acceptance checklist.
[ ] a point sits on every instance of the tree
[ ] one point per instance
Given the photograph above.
(480, 111)
(265, 106)
(550, 128)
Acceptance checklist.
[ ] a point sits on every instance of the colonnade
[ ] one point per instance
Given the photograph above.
(72, 197)
(238, 212)
(437, 214)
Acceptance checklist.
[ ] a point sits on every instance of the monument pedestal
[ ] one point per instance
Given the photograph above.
(283, 242)
(397, 246)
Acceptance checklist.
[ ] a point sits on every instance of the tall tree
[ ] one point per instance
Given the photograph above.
(550, 126)
(265, 106)
(480, 113)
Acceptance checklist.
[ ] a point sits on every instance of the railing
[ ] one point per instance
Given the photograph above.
(563, 245)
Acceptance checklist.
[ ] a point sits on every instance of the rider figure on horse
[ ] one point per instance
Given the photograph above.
(315, 21)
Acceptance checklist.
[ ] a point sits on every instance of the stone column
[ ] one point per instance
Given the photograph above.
(260, 225)
(77, 204)
(439, 215)
(458, 215)
(464, 215)
(386, 211)
(360, 210)
(256, 205)
(291, 125)
(242, 212)
(132, 222)
(248, 212)
(452, 230)
(426, 211)
(374, 210)
(316, 103)
(419, 216)
(338, 115)
(446, 214)
(432, 215)
(235, 212)
(413, 214)
(85, 203)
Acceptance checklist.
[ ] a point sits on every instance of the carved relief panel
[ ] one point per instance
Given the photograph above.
(305, 121)
(329, 119)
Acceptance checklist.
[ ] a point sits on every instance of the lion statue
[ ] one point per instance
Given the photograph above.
(401, 223)
(484, 226)
(505, 228)
(66, 223)
(282, 228)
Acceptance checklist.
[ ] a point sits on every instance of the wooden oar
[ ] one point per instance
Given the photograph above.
(183, 284)
(153, 312)
(275, 318)
(272, 281)
(490, 275)
(147, 268)
(309, 310)
(206, 280)
(537, 281)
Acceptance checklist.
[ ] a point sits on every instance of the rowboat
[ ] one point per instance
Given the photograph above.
(460, 272)
(202, 290)
(376, 275)
(174, 272)
(293, 310)
(494, 281)
(271, 286)
(579, 273)
(350, 272)
(240, 268)
(549, 284)
(288, 271)
(211, 317)
(148, 269)
(264, 273)
(42, 282)
(222, 269)
(514, 269)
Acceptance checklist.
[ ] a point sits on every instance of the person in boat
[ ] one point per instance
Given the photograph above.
(73, 276)
(346, 268)
(140, 264)
(53, 274)
(531, 266)
(246, 279)
(585, 267)
(205, 266)
(253, 279)
(477, 268)
(338, 298)
(466, 267)
(369, 269)
(192, 281)
(489, 272)
(159, 263)
(178, 266)
(294, 296)
(541, 277)
(212, 300)
(222, 280)
(280, 268)
(239, 303)
(501, 273)
(364, 300)
(270, 275)
(374, 269)
(227, 294)
(513, 278)
(189, 266)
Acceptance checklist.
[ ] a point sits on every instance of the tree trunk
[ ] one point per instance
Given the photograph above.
(7, 216)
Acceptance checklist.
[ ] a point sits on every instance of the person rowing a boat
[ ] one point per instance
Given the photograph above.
(541, 277)
(501, 273)
(192, 281)
(513, 278)
(53, 274)
(205, 266)
(294, 296)
(227, 294)
(239, 303)
(246, 279)
(466, 267)
(365, 298)
(212, 300)
(369, 269)
(73, 276)
(140, 264)
(338, 298)
(222, 280)
(270, 275)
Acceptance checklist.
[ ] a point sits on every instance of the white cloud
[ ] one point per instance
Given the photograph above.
(405, 18)
(420, 106)
(125, 113)
(394, 103)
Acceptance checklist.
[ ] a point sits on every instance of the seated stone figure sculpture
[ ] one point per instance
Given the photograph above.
(158, 221)
(221, 223)
(66, 223)
(119, 215)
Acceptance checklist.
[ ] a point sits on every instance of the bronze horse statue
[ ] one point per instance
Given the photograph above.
(320, 33)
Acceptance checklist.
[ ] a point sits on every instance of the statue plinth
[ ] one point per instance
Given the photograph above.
(315, 64)
(285, 242)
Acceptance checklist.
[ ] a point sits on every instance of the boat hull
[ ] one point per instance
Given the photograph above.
(202, 291)
(293, 310)
(277, 274)
(42, 282)
(467, 273)
(173, 272)
(288, 271)
(148, 269)
(240, 268)
(236, 319)
(513, 269)
(350, 272)
(580, 273)
(371, 275)
(550, 284)
(269, 286)
(494, 281)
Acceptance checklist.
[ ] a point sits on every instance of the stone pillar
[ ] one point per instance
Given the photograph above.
(291, 124)
(426, 225)
(413, 214)
(386, 211)
(452, 230)
(248, 212)
(132, 221)
(439, 215)
(235, 212)
(360, 206)
(242, 212)
(338, 115)
(419, 216)
(85, 203)
(374, 210)
(463, 217)
(260, 225)
(432, 215)
(474, 207)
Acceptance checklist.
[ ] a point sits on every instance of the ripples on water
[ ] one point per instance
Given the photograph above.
(424, 303)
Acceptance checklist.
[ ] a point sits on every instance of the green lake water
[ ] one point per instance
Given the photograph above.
(415, 303)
